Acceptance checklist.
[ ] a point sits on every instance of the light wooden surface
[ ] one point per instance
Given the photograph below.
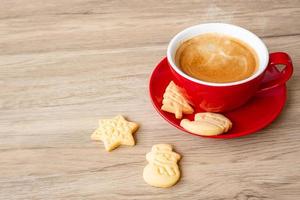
(65, 64)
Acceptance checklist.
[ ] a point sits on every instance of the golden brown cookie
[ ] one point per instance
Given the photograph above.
(175, 102)
(215, 118)
(115, 132)
(207, 124)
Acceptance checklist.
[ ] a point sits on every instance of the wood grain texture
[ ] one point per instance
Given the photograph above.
(65, 64)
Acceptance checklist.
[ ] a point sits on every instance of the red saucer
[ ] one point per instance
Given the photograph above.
(260, 111)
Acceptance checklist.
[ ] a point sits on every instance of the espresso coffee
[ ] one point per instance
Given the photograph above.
(217, 58)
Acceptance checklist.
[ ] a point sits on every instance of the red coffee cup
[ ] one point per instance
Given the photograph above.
(220, 97)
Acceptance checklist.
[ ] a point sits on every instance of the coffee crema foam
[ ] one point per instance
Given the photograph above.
(217, 58)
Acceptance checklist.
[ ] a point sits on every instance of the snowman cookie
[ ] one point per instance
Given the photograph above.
(162, 169)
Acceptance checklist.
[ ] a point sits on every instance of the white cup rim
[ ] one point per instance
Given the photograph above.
(254, 41)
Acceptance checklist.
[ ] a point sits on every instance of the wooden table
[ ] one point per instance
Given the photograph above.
(66, 64)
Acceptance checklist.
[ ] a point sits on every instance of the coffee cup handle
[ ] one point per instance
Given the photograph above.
(277, 77)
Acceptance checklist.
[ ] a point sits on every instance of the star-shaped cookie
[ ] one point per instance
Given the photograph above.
(114, 132)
